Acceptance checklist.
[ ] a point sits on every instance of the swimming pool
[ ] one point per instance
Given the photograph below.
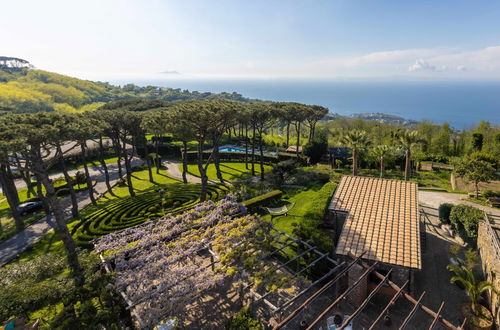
(242, 150)
(231, 149)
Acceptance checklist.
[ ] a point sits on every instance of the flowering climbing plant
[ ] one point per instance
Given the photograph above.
(164, 266)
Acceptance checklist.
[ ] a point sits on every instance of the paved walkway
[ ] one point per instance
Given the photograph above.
(174, 171)
(434, 278)
(93, 170)
(16, 244)
(434, 199)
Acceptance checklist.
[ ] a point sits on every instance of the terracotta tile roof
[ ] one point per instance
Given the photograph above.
(382, 219)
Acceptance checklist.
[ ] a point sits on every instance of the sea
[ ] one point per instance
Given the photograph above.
(463, 104)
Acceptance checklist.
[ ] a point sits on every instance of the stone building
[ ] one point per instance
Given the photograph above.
(377, 217)
(488, 242)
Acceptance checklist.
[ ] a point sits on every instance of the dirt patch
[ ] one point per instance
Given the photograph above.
(464, 185)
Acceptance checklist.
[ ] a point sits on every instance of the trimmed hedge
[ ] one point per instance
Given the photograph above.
(132, 211)
(165, 150)
(253, 203)
(309, 228)
(321, 202)
(444, 212)
(465, 218)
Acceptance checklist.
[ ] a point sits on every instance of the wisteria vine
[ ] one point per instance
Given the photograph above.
(159, 267)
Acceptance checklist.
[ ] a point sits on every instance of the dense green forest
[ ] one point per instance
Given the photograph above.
(24, 89)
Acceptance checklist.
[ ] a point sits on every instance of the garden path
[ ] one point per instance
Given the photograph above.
(16, 244)
(174, 171)
(435, 198)
(434, 279)
(69, 149)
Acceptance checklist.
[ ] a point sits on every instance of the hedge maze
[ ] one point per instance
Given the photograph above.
(131, 211)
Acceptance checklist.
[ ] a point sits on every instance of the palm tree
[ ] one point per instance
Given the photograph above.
(408, 140)
(357, 140)
(382, 152)
(473, 287)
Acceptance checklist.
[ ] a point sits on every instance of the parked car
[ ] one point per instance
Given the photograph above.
(29, 207)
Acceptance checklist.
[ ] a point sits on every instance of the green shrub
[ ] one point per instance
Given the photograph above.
(308, 229)
(320, 203)
(254, 203)
(444, 212)
(466, 218)
(244, 320)
(44, 282)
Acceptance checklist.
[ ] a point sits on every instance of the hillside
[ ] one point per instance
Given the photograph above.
(25, 89)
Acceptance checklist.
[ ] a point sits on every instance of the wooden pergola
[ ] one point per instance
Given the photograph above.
(282, 308)
(340, 271)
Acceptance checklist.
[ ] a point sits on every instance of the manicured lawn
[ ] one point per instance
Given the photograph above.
(141, 184)
(109, 160)
(230, 171)
(303, 200)
(6, 219)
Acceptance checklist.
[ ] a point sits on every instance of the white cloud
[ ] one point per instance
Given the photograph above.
(393, 57)
(418, 62)
(422, 65)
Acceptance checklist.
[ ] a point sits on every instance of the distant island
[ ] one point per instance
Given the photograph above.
(169, 72)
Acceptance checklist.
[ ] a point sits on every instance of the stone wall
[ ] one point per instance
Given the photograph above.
(489, 250)
(360, 292)
(399, 276)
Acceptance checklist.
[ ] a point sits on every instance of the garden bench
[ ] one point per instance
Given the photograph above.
(277, 211)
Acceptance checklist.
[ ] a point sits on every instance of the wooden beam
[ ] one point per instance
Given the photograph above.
(275, 268)
(317, 293)
(412, 312)
(437, 316)
(365, 302)
(314, 248)
(426, 309)
(463, 324)
(311, 264)
(295, 274)
(341, 297)
(393, 300)
(288, 302)
(267, 302)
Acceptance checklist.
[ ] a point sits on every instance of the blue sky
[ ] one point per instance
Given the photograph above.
(221, 38)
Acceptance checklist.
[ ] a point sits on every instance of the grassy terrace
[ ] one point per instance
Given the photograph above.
(230, 171)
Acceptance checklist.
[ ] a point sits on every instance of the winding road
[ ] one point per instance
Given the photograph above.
(16, 244)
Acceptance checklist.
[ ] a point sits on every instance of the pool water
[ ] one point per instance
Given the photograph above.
(231, 149)
(238, 149)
